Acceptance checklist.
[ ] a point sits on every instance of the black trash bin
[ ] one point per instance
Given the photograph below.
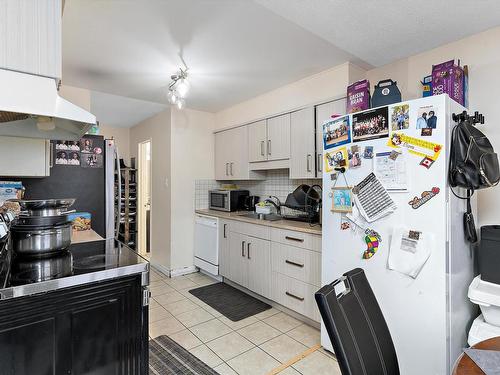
(489, 254)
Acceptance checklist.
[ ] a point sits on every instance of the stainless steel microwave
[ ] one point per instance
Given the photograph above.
(227, 200)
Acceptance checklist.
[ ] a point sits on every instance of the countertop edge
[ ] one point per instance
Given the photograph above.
(76, 280)
(281, 224)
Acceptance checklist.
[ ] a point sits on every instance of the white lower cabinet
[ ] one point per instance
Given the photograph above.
(266, 261)
(224, 248)
(296, 295)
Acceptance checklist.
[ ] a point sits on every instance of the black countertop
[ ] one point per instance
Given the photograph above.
(81, 264)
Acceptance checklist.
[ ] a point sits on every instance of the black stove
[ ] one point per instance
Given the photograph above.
(78, 259)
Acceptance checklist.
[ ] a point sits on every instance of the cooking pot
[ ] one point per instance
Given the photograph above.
(44, 207)
(32, 241)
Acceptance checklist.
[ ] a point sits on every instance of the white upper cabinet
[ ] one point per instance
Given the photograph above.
(302, 151)
(257, 141)
(323, 113)
(278, 137)
(30, 36)
(231, 155)
(33, 157)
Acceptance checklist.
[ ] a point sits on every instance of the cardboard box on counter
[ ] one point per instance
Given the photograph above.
(81, 221)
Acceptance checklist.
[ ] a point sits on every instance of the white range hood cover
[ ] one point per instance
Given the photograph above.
(30, 107)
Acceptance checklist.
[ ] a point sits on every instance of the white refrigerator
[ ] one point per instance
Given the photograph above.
(428, 315)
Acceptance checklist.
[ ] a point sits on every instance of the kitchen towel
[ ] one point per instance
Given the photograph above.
(487, 360)
(410, 250)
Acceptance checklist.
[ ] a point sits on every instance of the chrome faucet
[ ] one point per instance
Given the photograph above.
(276, 205)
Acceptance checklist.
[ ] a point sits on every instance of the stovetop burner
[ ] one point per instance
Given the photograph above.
(94, 262)
(34, 270)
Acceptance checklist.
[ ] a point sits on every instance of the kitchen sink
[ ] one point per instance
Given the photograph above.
(268, 217)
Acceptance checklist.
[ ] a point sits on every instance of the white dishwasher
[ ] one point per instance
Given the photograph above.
(206, 243)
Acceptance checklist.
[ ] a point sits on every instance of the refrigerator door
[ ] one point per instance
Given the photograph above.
(416, 309)
(112, 165)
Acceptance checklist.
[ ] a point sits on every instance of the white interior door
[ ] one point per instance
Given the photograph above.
(144, 195)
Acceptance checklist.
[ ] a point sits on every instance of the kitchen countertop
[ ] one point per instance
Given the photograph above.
(83, 263)
(79, 236)
(282, 224)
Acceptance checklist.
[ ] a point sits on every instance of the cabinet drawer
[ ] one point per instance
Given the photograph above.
(253, 230)
(299, 239)
(301, 264)
(296, 295)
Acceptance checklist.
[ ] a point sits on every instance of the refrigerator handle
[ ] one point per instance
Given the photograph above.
(118, 214)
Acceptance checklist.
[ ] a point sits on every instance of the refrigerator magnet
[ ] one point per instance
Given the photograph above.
(372, 240)
(426, 162)
(425, 197)
(341, 199)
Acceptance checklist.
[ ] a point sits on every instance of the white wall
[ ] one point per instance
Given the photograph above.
(121, 137)
(157, 128)
(192, 158)
(482, 53)
(324, 86)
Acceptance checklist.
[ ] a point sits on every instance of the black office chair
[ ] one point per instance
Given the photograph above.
(356, 326)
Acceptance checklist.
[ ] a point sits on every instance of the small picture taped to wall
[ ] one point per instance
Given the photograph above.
(74, 158)
(62, 157)
(91, 160)
(87, 145)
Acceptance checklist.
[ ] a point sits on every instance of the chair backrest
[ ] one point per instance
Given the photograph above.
(356, 326)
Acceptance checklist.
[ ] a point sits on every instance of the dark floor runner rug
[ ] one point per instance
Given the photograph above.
(230, 302)
(166, 357)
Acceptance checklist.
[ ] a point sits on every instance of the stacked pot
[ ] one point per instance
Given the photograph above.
(43, 228)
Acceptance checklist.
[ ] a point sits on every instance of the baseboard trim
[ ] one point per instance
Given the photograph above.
(162, 269)
(183, 271)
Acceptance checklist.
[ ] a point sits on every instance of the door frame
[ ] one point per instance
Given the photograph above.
(141, 219)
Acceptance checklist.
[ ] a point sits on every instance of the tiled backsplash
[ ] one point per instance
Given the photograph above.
(277, 183)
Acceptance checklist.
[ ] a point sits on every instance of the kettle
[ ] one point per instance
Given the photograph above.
(250, 202)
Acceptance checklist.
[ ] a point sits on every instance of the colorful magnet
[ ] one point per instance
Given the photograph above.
(427, 195)
(426, 132)
(426, 162)
(372, 240)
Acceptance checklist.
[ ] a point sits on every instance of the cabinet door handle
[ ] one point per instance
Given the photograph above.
(320, 164)
(294, 239)
(269, 147)
(294, 296)
(309, 162)
(294, 263)
(248, 250)
(227, 167)
(243, 249)
(51, 154)
(262, 148)
(224, 231)
(231, 168)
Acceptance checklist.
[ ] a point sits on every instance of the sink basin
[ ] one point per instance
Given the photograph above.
(268, 217)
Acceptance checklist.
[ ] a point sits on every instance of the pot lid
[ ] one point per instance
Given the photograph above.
(43, 204)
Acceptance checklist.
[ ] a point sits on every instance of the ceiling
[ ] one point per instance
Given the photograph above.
(235, 49)
(238, 49)
(120, 111)
(381, 31)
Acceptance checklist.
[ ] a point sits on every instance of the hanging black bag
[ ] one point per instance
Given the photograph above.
(473, 163)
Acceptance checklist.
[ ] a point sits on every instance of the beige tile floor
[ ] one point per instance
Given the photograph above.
(252, 346)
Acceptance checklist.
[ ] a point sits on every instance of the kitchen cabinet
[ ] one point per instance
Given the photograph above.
(278, 137)
(30, 36)
(257, 141)
(238, 264)
(231, 155)
(224, 228)
(323, 113)
(259, 265)
(302, 138)
(269, 140)
(98, 328)
(33, 157)
(250, 262)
